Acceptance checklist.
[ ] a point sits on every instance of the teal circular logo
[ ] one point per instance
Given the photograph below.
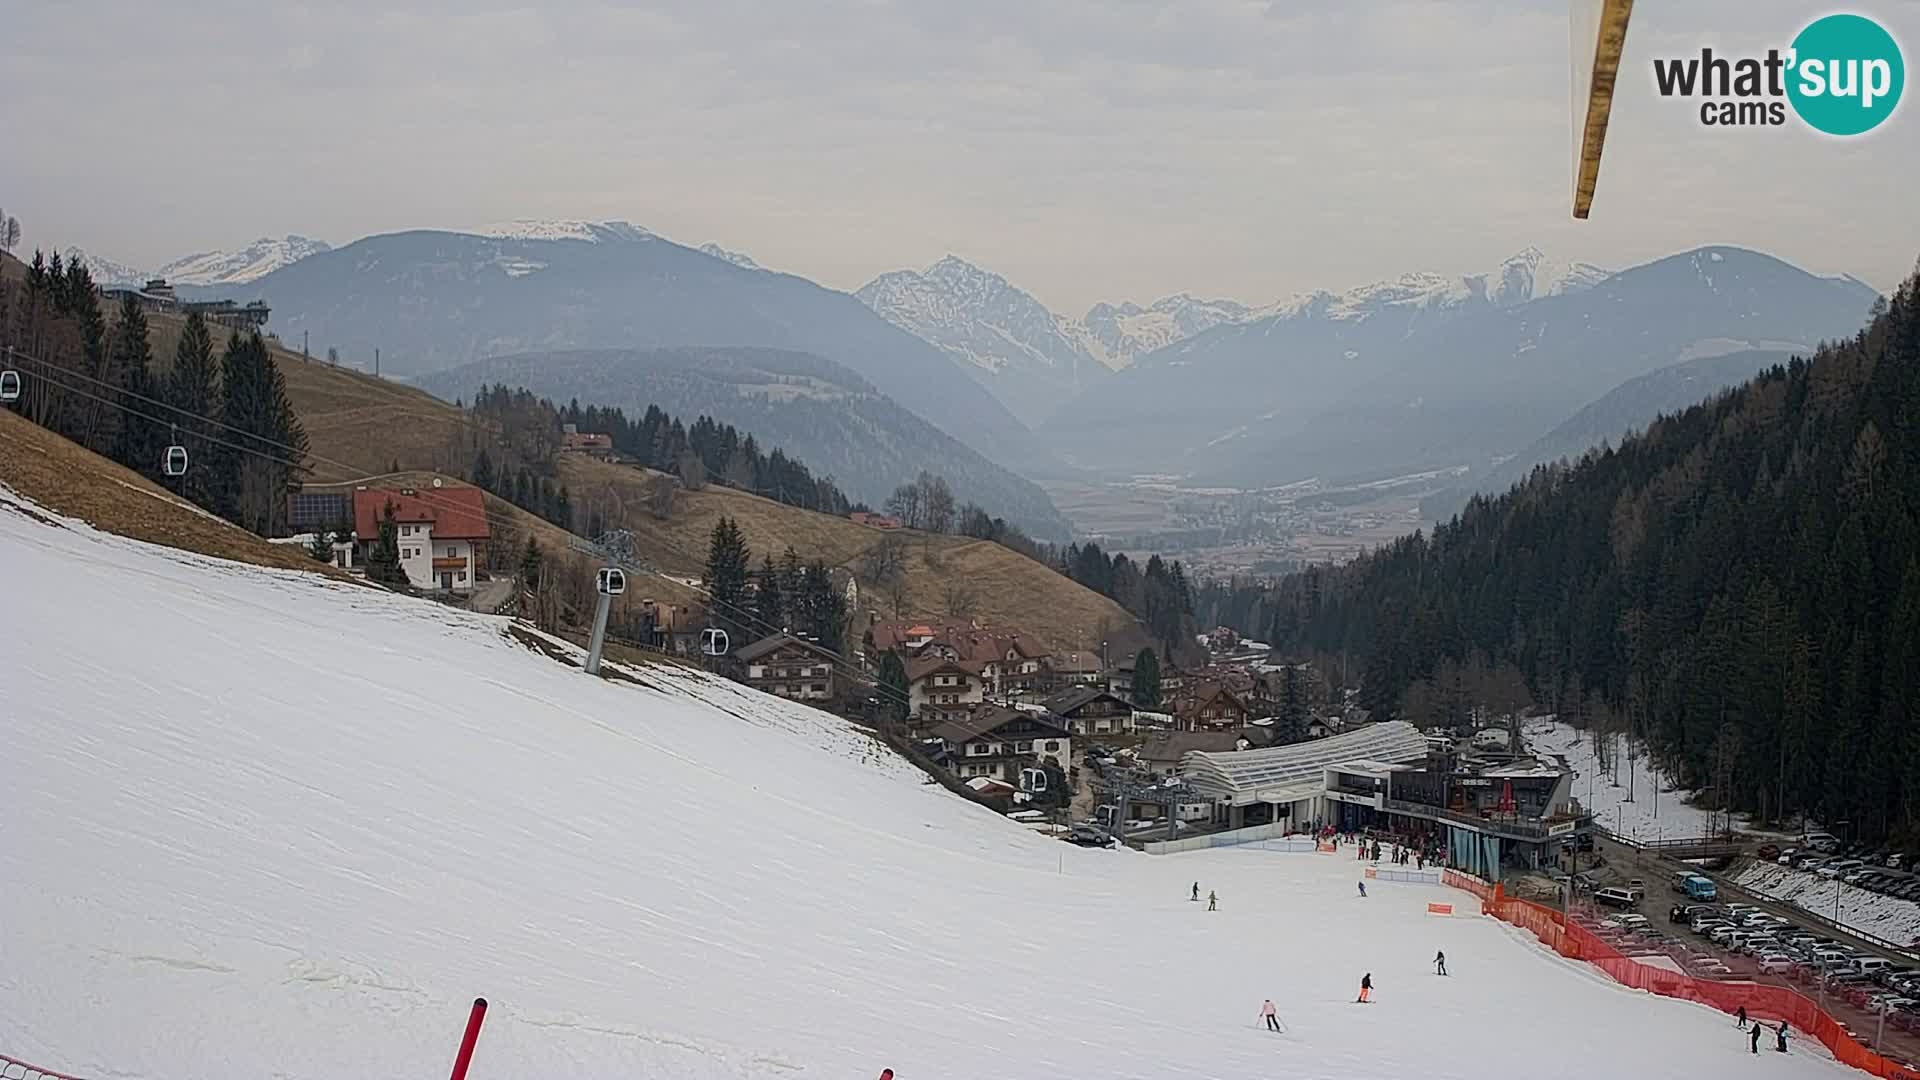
(1846, 74)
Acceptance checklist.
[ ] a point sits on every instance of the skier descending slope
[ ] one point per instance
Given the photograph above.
(1366, 989)
(1272, 1016)
(1363, 890)
(1440, 962)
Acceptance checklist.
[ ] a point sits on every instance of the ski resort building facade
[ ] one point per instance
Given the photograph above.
(1385, 777)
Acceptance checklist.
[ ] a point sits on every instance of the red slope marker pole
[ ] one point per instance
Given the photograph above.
(472, 1036)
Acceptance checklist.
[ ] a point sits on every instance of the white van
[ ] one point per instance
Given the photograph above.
(1831, 957)
(1871, 965)
(1613, 897)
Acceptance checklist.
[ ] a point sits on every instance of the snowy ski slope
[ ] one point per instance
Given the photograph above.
(255, 824)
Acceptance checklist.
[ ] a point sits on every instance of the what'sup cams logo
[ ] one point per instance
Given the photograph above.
(1842, 76)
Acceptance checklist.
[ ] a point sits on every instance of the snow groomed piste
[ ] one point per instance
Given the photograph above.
(261, 824)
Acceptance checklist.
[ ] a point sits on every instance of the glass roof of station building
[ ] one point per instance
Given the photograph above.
(1248, 776)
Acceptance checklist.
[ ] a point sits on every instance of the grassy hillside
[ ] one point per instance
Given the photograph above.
(358, 426)
(1007, 588)
(61, 475)
(812, 408)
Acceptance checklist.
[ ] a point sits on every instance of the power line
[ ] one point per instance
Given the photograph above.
(455, 511)
(171, 424)
(845, 663)
(196, 418)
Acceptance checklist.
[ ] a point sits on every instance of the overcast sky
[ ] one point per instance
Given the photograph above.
(1088, 149)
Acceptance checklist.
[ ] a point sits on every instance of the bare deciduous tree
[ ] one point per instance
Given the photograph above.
(960, 599)
(885, 562)
(904, 504)
(660, 496)
(693, 471)
(936, 504)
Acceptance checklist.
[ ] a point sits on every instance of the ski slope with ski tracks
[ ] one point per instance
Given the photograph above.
(261, 824)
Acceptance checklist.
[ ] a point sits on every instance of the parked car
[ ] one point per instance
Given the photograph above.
(1615, 897)
(1834, 869)
(1775, 963)
(1769, 851)
(1087, 834)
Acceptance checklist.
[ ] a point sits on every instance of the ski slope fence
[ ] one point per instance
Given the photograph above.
(1411, 877)
(1264, 837)
(1466, 882)
(13, 1069)
(1773, 1003)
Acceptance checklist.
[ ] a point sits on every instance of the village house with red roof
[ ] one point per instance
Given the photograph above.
(442, 532)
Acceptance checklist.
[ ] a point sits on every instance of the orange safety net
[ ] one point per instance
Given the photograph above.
(1466, 882)
(1804, 1017)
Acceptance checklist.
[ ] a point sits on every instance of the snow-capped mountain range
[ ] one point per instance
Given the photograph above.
(1031, 358)
(262, 257)
(1523, 277)
(563, 229)
(256, 260)
(1122, 333)
(107, 271)
(1435, 371)
(1035, 359)
(739, 259)
(232, 267)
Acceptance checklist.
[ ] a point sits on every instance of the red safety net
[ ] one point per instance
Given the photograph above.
(1804, 1017)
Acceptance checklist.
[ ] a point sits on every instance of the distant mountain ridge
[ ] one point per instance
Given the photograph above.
(1627, 408)
(815, 410)
(1122, 333)
(1030, 358)
(1430, 371)
(432, 300)
(1039, 363)
(255, 261)
(210, 268)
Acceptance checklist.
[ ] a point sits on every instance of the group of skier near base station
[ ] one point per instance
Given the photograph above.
(1407, 850)
(1753, 1042)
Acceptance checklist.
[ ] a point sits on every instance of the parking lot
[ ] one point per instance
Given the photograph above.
(1874, 993)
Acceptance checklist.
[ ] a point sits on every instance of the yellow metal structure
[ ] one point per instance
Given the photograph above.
(1599, 33)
